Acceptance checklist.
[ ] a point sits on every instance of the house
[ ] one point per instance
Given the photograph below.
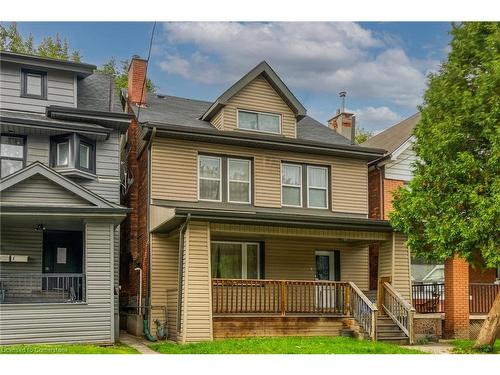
(60, 210)
(249, 217)
(466, 289)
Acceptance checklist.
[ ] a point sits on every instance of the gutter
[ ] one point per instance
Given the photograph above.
(181, 271)
(148, 216)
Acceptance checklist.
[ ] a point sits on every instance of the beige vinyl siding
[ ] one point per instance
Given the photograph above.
(218, 120)
(401, 272)
(164, 281)
(38, 189)
(197, 306)
(174, 173)
(259, 96)
(385, 259)
(21, 241)
(91, 321)
(60, 90)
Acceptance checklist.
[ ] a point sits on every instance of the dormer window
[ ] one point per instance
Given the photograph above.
(72, 152)
(33, 84)
(259, 121)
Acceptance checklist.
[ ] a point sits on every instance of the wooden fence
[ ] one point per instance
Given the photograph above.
(481, 297)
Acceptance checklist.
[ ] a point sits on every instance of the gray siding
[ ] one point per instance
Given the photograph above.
(402, 167)
(21, 241)
(60, 90)
(91, 321)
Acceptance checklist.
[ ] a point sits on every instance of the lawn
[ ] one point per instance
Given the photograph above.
(284, 345)
(466, 347)
(118, 348)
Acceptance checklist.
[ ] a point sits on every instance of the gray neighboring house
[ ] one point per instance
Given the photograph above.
(61, 128)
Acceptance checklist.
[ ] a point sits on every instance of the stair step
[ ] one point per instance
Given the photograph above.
(396, 341)
(391, 335)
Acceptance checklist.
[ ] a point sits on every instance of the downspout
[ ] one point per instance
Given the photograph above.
(182, 231)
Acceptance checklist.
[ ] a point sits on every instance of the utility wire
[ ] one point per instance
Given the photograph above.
(147, 65)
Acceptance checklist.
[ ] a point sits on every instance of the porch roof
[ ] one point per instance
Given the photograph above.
(175, 216)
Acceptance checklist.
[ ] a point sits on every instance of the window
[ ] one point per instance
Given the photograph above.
(33, 84)
(224, 179)
(11, 154)
(235, 260)
(210, 172)
(238, 177)
(259, 121)
(291, 185)
(72, 151)
(314, 179)
(317, 187)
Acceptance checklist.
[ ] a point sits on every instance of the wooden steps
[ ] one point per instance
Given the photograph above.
(389, 331)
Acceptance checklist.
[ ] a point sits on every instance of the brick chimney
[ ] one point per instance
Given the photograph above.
(343, 122)
(137, 81)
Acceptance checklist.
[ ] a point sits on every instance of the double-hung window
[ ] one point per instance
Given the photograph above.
(259, 121)
(224, 179)
(11, 154)
(304, 185)
(33, 84)
(235, 260)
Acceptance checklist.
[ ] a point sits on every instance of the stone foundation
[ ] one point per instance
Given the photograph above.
(429, 326)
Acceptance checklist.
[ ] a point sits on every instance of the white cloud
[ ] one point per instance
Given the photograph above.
(318, 57)
(375, 119)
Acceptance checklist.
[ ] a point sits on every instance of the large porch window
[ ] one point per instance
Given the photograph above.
(235, 260)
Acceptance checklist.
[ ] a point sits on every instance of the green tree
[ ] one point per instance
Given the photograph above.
(11, 40)
(452, 205)
(362, 135)
(120, 74)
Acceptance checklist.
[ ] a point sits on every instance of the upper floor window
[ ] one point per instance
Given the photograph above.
(33, 84)
(72, 151)
(304, 185)
(224, 179)
(259, 121)
(11, 154)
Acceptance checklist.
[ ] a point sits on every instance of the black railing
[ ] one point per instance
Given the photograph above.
(428, 298)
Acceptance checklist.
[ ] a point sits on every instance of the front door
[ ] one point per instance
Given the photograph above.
(327, 268)
(62, 251)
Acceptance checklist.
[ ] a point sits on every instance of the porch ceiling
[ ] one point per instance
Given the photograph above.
(48, 222)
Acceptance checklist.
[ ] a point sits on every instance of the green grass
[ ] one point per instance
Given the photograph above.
(466, 347)
(118, 348)
(284, 345)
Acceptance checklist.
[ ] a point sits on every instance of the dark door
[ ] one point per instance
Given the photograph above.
(322, 267)
(62, 251)
(373, 256)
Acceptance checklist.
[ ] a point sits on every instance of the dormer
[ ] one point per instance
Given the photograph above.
(258, 103)
(33, 83)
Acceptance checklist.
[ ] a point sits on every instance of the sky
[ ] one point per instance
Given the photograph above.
(382, 66)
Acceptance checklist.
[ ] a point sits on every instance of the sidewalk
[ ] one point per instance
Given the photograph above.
(433, 348)
(138, 343)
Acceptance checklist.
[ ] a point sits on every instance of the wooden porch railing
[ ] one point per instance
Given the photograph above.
(482, 297)
(428, 298)
(285, 297)
(399, 310)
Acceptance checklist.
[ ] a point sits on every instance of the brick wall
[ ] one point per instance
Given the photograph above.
(374, 204)
(389, 187)
(456, 307)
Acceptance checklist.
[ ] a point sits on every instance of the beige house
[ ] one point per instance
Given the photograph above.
(252, 218)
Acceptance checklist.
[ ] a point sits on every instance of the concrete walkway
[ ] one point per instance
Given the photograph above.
(138, 343)
(433, 348)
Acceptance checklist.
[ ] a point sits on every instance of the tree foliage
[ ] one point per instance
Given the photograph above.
(120, 74)
(452, 205)
(362, 135)
(50, 46)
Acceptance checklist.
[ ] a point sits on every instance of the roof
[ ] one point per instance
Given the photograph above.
(274, 80)
(82, 69)
(393, 137)
(97, 92)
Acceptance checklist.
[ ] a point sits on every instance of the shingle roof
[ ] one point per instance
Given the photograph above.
(172, 110)
(97, 92)
(393, 137)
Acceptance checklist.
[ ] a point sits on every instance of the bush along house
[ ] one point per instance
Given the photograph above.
(251, 218)
(60, 207)
(456, 292)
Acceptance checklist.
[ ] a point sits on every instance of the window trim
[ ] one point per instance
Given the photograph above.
(238, 110)
(25, 150)
(24, 84)
(249, 182)
(74, 141)
(308, 187)
(210, 178)
(244, 256)
(295, 186)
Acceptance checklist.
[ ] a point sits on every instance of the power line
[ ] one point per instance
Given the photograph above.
(147, 65)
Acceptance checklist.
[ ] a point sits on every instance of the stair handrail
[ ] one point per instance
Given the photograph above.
(399, 310)
(369, 325)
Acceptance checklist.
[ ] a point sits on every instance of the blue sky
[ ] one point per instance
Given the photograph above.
(383, 66)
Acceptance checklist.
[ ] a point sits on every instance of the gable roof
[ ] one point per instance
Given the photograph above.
(395, 136)
(274, 80)
(39, 169)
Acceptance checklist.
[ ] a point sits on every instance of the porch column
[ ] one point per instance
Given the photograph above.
(456, 302)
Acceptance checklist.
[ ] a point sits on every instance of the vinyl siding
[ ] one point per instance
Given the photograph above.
(218, 120)
(60, 90)
(258, 95)
(385, 259)
(198, 307)
(21, 241)
(401, 168)
(164, 281)
(401, 279)
(174, 174)
(83, 322)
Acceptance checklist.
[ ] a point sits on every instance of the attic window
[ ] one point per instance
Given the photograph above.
(33, 84)
(259, 121)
